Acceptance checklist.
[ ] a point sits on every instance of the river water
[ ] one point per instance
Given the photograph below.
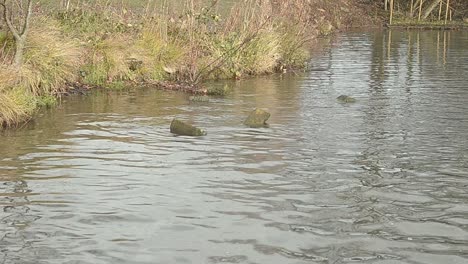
(384, 180)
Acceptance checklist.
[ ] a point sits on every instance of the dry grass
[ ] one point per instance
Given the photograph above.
(106, 61)
(50, 59)
(16, 106)
(8, 77)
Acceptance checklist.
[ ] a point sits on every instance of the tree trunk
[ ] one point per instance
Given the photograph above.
(440, 10)
(411, 8)
(447, 11)
(20, 43)
(20, 33)
(416, 7)
(420, 10)
(430, 8)
(391, 11)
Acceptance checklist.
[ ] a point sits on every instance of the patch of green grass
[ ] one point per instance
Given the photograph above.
(46, 101)
(117, 85)
(158, 53)
(107, 61)
(94, 73)
(94, 25)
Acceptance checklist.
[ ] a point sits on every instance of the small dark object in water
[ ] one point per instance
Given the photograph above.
(181, 128)
(346, 99)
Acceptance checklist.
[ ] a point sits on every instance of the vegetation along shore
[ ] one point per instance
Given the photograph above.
(52, 48)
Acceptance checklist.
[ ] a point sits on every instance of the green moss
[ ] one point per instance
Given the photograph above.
(346, 99)
(181, 128)
(257, 119)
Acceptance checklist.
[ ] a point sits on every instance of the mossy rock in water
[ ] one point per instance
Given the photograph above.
(346, 99)
(218, 91)
(199, 99)
(257, 118)
(181, 128)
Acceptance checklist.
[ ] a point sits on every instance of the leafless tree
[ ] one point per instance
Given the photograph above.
(17, 16)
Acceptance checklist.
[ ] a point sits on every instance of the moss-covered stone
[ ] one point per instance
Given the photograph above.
(218, 90)
(346, 99)
(257, 118)
(181, 128)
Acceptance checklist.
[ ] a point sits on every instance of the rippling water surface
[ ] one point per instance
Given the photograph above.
(383, 180)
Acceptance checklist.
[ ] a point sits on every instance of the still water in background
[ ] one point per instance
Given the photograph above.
(383, 180)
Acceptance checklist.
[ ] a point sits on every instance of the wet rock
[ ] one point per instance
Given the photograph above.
(257, 118)
(199, 99)
(346, 99)
(181, 128)
(218, 91)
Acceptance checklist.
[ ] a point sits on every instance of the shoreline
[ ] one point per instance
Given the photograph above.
(428, 26)
(73, 52)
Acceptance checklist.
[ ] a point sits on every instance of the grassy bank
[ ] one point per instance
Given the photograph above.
(114, 46)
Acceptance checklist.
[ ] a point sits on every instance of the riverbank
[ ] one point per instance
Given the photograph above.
(428, 25)
(113, 47)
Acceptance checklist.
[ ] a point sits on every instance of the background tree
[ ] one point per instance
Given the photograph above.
(16, 15)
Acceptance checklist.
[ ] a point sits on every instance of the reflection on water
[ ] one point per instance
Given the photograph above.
(384, 180)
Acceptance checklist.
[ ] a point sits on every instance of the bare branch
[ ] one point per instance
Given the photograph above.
(27, 18)
(7, 18)
(22, 18)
